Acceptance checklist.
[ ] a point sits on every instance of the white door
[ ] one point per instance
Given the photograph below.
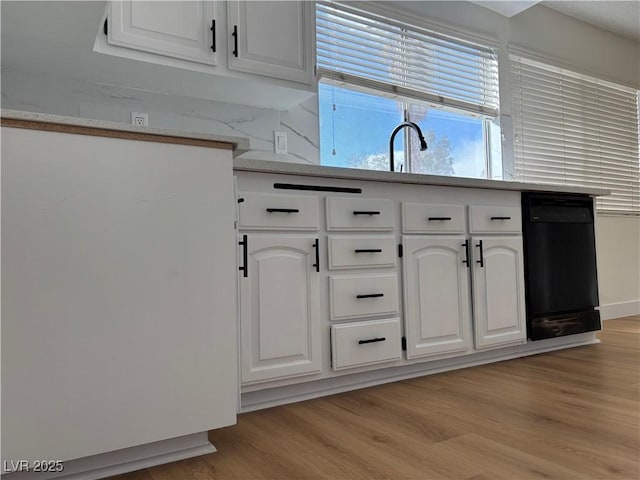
(180, 29)
(279, 307)
(498, 281)
(271, 38)
(436, 290)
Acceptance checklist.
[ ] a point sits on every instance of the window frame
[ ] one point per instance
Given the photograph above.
(406, 96)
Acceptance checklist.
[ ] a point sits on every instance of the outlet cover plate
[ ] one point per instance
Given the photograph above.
(280, 142)
(139, 119)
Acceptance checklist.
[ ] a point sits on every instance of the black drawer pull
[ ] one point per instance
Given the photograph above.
(317, 247)
(370, 295)
(371, 340)
(245, 264)
(282, 210)
(481, 261)
(466, 252)
(235, 41)
(213, 35)
(368, 250)
(366, 212)
(500, 218)
(431, 219)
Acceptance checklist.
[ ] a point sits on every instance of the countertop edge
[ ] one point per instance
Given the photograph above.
(239, 144)
(285, 168)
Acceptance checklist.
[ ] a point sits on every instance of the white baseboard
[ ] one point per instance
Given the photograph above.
(620, 309)
(126, 460)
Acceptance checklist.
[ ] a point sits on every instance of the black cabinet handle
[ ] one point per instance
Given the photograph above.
(500, 218)
(370, 295)
(245, 267)
(466, 253)
(235, 41)
(282, 210)
(366, 212)
(240, 200)
(368, 250)
(316, 246)
(431, 219)
(371, 340)
(213, 34)
(481, 261)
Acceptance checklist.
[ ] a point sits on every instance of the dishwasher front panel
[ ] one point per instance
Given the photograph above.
(561, 281)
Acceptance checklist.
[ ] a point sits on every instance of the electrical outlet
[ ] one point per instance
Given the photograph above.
(280, 142)
(139, 119)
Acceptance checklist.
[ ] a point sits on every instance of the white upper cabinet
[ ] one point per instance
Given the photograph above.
(271, 38)
(498, 282)
(184, 30)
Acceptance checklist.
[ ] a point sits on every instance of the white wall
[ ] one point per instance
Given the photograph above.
(618, 249)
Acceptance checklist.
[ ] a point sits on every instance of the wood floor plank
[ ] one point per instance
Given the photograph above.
(569, 414)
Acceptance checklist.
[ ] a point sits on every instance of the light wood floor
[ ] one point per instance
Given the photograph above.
(567, 414)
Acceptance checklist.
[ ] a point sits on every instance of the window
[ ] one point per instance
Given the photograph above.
(572, 129)
(376, 73)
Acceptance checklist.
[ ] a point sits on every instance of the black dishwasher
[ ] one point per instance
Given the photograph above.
(561, 282)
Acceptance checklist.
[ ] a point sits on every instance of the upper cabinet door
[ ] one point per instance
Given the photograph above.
(498, 281)
(271, 38)
(184, 30)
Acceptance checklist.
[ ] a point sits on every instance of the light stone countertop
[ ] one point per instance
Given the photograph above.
(285, 168)
(240, 144)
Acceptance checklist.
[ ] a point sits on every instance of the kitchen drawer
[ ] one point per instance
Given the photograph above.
(432, 218)
(362, 251)
(365, 343)
(356, 296)
(266, 211)
(494, 219)
(373, 214)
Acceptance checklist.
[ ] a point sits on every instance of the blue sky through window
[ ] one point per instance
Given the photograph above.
(356, 134)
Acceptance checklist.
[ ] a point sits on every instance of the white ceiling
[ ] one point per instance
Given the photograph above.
(620, 17)
(507, 9)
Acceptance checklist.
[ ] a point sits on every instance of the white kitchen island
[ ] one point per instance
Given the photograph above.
(118, 308)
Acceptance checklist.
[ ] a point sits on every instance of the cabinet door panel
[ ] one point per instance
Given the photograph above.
(498, 291)
(436, 289)
(174, 29)
(273, 38)
(279, 309)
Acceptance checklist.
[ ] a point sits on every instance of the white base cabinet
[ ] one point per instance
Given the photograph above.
(279, 307)
(446, 298)
(498, 283)
(436, 292)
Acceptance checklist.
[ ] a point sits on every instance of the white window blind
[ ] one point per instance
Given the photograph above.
(571, 129)
(380, 54)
